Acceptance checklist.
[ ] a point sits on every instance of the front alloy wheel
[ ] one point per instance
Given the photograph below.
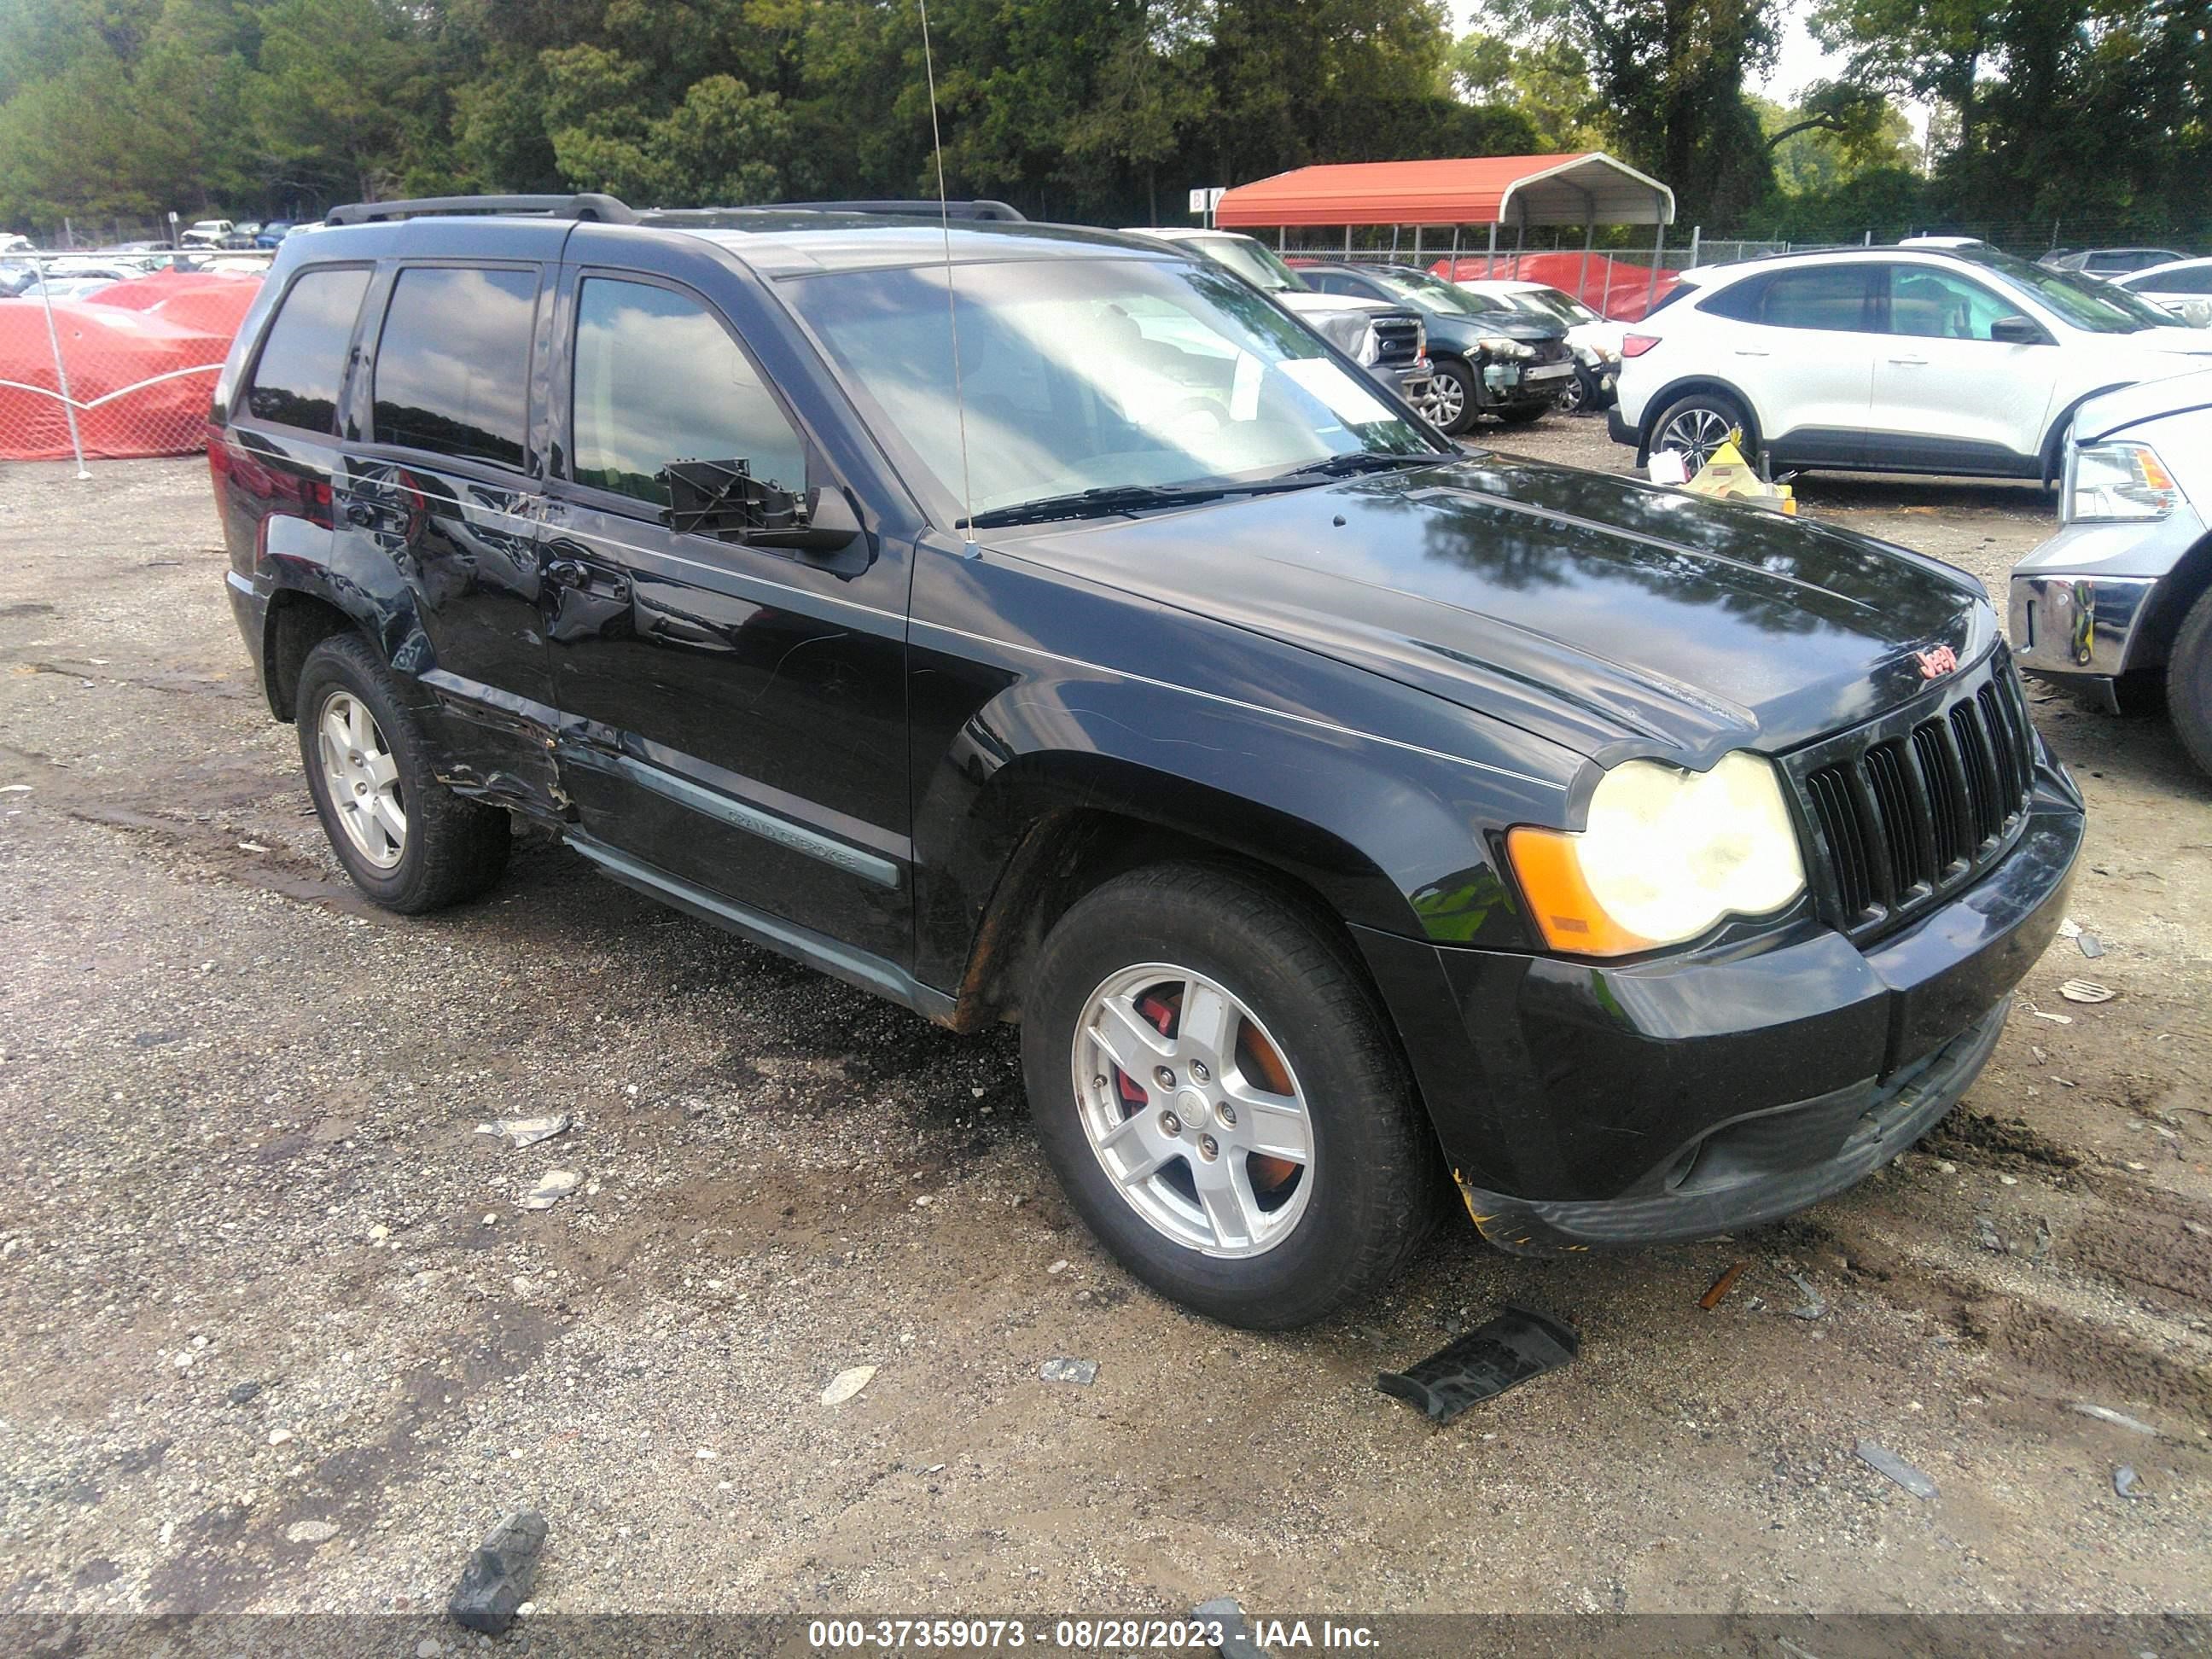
(1192, 1110)
(1575, 395)
(1695, 427)
(1214, 1083)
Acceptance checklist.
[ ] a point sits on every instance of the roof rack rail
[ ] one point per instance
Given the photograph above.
(980, 208)
(604, 208)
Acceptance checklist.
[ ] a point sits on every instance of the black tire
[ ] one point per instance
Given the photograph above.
(1702, 408)
(1524, 413)
(453, 849)
(1470, 393)
(2189, 682)
(1373, 1167)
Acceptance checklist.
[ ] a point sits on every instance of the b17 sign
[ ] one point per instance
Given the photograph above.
(1204, 201)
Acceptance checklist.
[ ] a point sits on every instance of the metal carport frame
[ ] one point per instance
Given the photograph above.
(1586, 187)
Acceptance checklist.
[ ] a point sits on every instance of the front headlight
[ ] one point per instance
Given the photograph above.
(1665, 854)
(2120, 481)
(1498, 346)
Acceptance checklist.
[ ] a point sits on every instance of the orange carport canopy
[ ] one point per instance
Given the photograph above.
(1586, 187)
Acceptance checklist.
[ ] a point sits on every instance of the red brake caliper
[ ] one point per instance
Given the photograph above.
(1162, 1014)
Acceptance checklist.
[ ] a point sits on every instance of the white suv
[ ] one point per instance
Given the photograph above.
(1910, 359)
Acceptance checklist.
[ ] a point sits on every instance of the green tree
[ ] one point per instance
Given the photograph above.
(1671, 76)
(1546, 83)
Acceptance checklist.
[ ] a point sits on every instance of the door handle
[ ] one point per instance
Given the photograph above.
(1910, 362)
(1745, 351)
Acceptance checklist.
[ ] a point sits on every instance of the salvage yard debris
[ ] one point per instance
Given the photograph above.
(1721, 1286)
(847, 1383)
(2118, 1419)
(1081, 1372)
(1517, 1345)
(1887, 1462)
(525, 1131)
(2085, 990)
(554, 1185)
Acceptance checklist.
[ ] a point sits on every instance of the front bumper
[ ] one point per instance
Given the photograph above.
(2079, 601)
(1585, 1105)
(1409, 381)
(1617, 428)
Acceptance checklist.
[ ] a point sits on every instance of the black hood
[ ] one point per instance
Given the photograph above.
(1607, 615)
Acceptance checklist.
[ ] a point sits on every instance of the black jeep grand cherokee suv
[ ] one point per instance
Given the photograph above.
(1331, 807)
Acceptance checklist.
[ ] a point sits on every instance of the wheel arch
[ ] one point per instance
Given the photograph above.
(2169, 605)
(295, 622)
(2054, 438)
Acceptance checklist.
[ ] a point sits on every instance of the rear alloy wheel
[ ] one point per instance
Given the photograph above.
(1695, 427)
(1452, 401)
(1212, 1082)
(409, 842)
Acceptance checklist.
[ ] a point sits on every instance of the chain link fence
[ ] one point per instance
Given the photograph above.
(103, 357)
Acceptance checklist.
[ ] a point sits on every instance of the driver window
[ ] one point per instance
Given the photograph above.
(658, 378)
(1933, 305)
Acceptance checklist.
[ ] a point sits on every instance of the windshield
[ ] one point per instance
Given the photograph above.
(1554, 303)
(1092, 374)
(1255, 263)
(2084, 301)
(1433, 295)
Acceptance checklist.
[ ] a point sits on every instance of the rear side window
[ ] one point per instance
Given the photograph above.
(452, 366)
(303, 361)
(2198, 280)
(1829, 298)
(659, 379)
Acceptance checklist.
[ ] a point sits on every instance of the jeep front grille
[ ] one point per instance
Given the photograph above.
(1915, 806)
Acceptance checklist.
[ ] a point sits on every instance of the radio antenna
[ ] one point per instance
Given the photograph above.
(951, 312)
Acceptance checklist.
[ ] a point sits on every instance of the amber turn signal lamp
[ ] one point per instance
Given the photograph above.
(1567, 911)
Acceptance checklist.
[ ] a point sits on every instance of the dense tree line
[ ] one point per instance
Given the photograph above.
(1100, 110)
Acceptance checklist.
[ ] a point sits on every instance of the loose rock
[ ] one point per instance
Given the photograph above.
(501, 1571)
(311, 1532)
(847, 1383)
(1082, 1372)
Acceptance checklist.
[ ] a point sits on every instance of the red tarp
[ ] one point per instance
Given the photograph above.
(114, 343)
(1616, 289)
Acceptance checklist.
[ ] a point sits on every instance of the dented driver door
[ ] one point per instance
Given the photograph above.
(733, 716)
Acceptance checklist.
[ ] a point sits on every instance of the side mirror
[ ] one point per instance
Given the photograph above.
(2017, 330)
(826, 523)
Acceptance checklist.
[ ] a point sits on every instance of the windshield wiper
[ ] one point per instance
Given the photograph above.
(1359, 460)
(1109, 499)
(1098, 503)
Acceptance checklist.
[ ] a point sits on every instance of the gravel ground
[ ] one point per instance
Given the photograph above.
(274, 1332)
